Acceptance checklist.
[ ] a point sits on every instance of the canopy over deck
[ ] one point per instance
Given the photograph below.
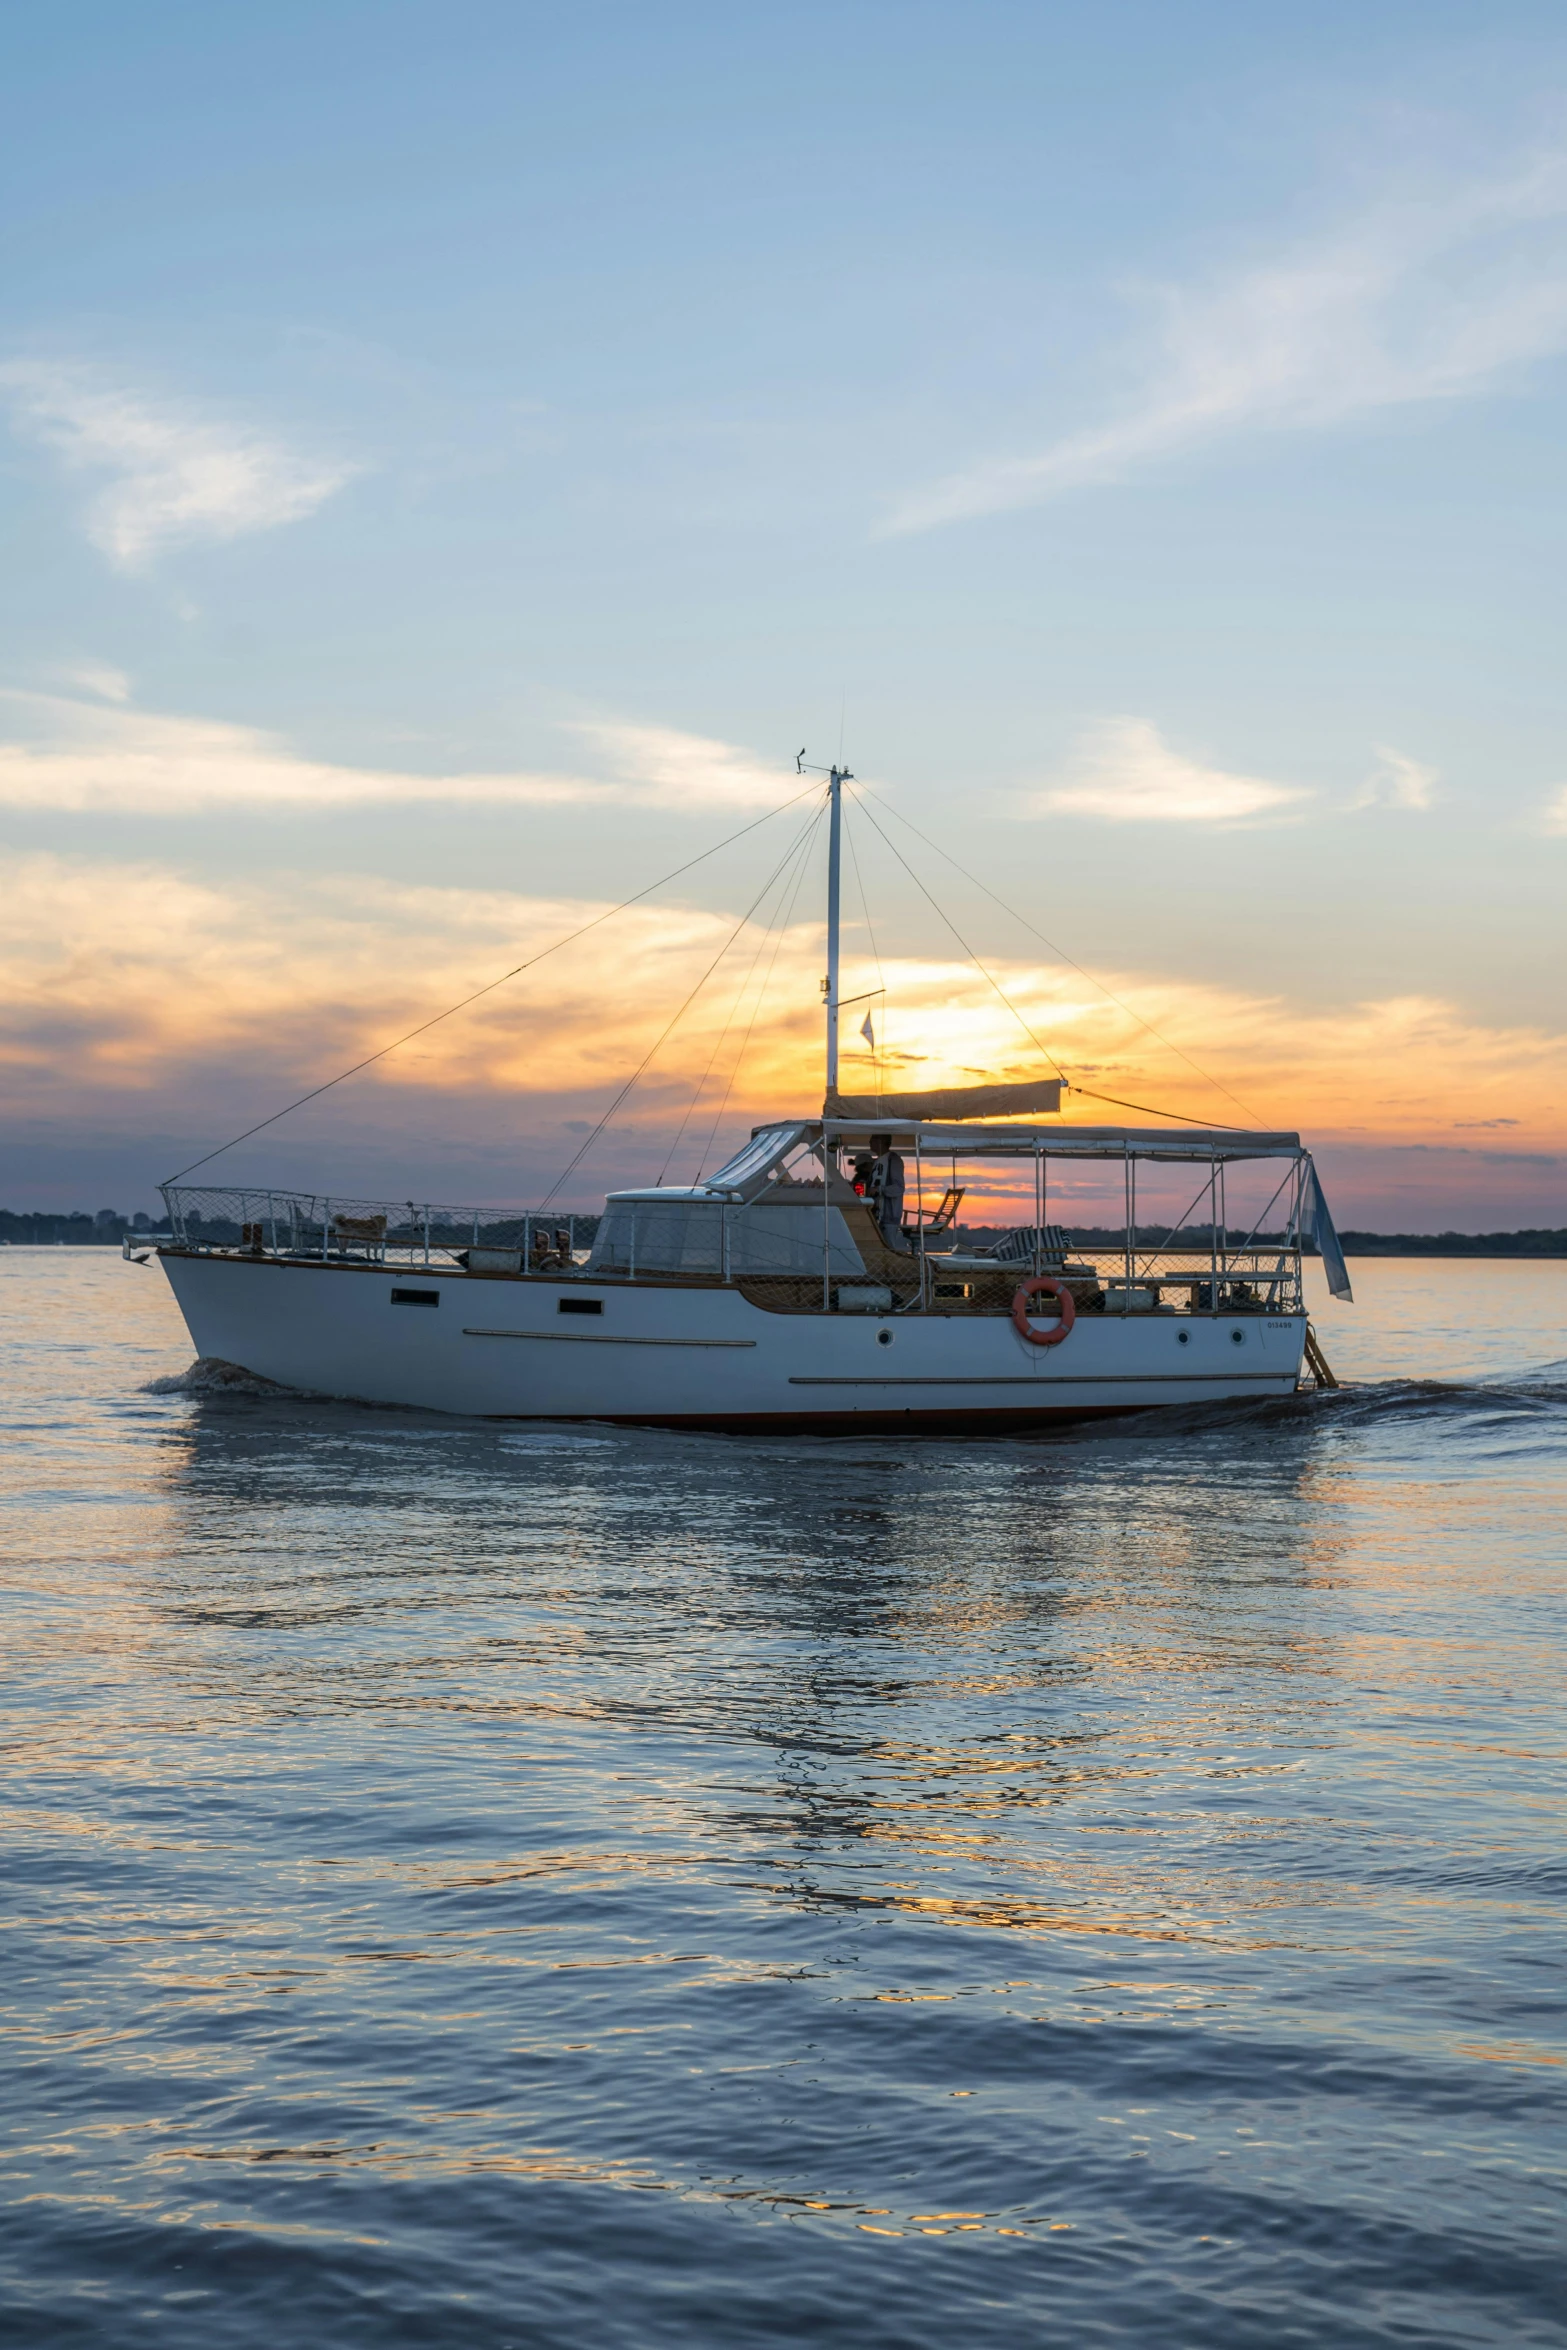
(1015, 1141)
(754, 1166)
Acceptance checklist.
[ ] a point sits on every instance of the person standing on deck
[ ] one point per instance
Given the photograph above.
(886, 1191)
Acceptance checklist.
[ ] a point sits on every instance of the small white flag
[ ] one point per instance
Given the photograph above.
(868, 1032)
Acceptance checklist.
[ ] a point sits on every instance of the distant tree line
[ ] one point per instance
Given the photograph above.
(77, 1230)
(1535, 1242)
(42, 1229)
(1538, 1241)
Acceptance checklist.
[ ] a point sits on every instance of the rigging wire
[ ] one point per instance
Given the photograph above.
(489, 988)
(802, 846)
(1064, 957)
(761, 997)
(669, 1027)
(719, 1041)
(779, 935)
(1180, 1117)
(973, 958)
(1170, 1230)
(697, 1090)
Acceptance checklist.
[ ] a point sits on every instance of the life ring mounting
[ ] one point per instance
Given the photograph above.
(1043, 1285)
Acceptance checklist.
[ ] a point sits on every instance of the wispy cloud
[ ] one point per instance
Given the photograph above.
(97, 677)
(1555, 819)
(1422, 299)
(180, 473)
(685, 770)
(1123, 772)
(68, 755)
(1397, 781)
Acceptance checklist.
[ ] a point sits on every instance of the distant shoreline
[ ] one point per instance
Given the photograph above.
(1533, 1241)
(1454, 1244)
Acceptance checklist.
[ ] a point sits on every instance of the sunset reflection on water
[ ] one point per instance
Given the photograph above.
(533, 1884)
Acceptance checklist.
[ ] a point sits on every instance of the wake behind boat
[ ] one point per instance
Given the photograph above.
(816, 1280)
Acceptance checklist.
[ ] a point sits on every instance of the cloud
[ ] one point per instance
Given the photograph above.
(1555, 819)
(182, 475)
(137, 977)
(1124, 773)
(136, 998)
(686, 770)
(105, 755)
(1397, 782)
(96, 677)
(120, 976)
(1422, 299)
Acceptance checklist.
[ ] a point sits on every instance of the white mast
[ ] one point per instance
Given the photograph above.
(837, 778)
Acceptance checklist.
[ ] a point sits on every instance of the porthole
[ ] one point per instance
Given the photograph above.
(1237, 1338)
(1183, 1338)
(884, 1338)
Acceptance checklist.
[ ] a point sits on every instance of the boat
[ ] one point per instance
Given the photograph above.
(788, 1290)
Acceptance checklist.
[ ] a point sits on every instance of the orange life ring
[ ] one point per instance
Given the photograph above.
(1044, 1284)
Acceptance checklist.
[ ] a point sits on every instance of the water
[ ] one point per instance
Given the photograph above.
(505, 1886)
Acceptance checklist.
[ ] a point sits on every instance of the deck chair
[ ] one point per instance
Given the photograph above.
(951, 1200)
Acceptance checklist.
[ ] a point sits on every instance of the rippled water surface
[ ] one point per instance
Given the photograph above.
(493, 1885)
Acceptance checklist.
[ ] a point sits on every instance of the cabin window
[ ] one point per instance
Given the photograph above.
(783, 1232)
(579, 1305)
(416, 1297)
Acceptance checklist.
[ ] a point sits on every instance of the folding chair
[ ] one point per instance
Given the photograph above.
(951, 1199)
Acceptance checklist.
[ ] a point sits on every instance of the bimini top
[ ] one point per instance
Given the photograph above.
(753, 1166)
(1197, 1144)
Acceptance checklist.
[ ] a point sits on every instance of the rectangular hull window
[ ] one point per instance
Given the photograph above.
(580, 1305)
(416, 1297)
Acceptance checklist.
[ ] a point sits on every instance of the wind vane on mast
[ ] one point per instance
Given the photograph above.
(837, 777)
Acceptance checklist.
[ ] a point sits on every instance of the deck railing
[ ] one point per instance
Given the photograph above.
(1211, 1275)
(318, 1224)
(1206, 1274)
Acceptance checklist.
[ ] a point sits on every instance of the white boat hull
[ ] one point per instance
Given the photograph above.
(674, 1355)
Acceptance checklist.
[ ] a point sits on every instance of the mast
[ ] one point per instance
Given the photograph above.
(836, 779)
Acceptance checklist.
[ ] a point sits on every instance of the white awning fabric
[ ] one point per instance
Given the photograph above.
(1039, 1098)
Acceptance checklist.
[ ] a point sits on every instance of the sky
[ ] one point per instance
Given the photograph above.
(452, 460)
